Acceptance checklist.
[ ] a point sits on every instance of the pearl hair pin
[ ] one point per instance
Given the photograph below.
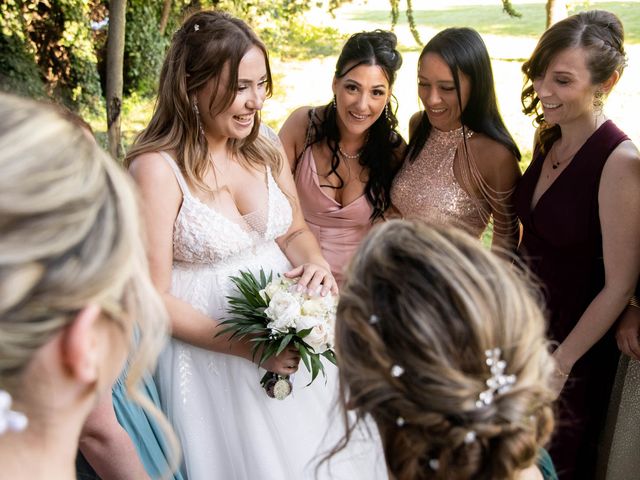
(498, 382)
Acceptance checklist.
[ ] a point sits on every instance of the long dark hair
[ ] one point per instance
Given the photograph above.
(599, 32)
(463, 50)
(379, 154)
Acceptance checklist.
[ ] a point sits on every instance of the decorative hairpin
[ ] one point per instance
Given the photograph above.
(396, 371)
(196, 27)
(373, 319)
(10, 420)
(498, 382)
(400, 421)
(434, 464)
(470, 437)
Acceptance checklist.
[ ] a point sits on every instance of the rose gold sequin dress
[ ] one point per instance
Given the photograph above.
(427, 188)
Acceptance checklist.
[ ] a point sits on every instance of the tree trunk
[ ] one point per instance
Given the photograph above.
(164, 19)
(556, 11)
(115, 58)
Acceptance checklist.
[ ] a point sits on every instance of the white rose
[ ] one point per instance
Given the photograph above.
(319, 306)
(306, 321)
(318, 338)
(283, 310)
(272, 287)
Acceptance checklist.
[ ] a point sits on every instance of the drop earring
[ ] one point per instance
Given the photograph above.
(196, 110)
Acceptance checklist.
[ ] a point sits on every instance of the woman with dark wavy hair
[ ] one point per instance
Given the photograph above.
(578, 203)
(344, 155)
(462, 164)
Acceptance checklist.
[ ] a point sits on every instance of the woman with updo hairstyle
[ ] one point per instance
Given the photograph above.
(74, 285)
(461, 165)
(344, 155)
(579, 204)
(456, 377)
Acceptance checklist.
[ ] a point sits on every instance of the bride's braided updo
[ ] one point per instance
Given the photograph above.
(421, 307)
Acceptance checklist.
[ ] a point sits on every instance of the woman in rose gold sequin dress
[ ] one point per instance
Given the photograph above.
(344, 155)
(461, 165)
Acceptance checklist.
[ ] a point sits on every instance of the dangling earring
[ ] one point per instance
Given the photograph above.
(196, 110)
(334, 104)
(387, 115)
(598, 103)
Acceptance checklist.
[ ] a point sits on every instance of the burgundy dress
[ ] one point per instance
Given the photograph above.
(562, 244)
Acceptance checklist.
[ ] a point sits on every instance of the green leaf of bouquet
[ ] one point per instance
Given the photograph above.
(304, 355)
(330, 355)
(314, 367)
(305, 332)
(284, 343)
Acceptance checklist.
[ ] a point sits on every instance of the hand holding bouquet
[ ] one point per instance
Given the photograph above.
(276, 316)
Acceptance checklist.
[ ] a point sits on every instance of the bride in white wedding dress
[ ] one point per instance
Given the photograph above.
(216, 200)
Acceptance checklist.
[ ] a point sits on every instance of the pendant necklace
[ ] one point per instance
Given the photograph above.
(556, 163)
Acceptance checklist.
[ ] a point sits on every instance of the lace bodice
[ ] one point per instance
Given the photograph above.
(202, 235)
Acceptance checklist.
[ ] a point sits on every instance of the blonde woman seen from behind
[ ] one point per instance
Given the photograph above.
(443, 344)
(73, 285)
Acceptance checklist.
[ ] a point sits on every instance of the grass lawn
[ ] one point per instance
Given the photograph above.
(491, 20)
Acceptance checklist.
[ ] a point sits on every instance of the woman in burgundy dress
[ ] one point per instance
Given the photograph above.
(579, 204)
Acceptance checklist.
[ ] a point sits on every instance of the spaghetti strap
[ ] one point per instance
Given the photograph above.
(174, 166)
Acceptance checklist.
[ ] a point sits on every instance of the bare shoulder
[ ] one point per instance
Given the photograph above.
(151, 170)
(621, 172)
(625, 157)
(296, 122)
(491, 155)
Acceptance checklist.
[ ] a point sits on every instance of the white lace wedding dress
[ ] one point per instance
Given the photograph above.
(229, 429)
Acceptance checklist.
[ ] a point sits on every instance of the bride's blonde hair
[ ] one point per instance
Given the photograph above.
(70, 237)
(420, 306)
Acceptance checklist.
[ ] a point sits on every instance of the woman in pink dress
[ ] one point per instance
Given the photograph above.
(344, 155)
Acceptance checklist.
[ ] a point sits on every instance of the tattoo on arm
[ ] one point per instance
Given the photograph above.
(292, 237)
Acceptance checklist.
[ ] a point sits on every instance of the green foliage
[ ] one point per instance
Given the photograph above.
(144, 47)
(301, 41)
(47, 48)
(508, 8)
(18, 69)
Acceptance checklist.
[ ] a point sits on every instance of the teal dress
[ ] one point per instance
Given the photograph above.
(145, 433)
(546, 466)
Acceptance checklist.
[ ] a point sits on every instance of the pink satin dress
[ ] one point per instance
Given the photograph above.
(339, 229)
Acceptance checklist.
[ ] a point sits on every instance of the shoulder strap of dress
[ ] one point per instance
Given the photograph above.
(176, 171)
(307, 139)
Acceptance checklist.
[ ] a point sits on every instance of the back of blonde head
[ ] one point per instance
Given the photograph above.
(70, 237)
(440, 301)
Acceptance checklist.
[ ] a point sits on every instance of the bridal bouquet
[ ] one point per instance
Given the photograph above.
(275, 315)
